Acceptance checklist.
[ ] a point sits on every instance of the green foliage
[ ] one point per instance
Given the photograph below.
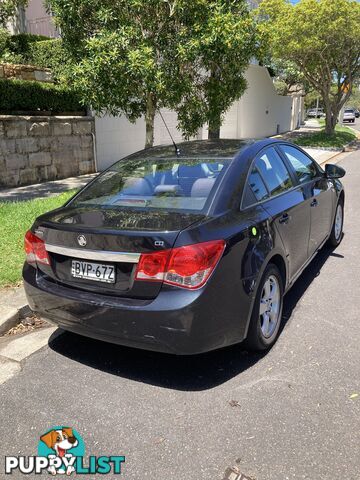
(354, 99)
(21, 44)
(21, 95)
(16, 219)
(135, 56)
(34, 50)
(287, 76)
(341, 137)
(50, 54)
(4, 35)
(311, 99)
(8, 9)
(17, 48)
(320, 37)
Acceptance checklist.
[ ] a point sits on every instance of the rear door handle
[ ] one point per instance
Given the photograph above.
(285, 218)
(314, 203)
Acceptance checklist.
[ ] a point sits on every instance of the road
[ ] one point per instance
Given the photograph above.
(355, 126)
(291, 413)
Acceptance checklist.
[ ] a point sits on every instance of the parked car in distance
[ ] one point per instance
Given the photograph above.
(315, 113)
(185, 253)
(357, 113)
(349, 115)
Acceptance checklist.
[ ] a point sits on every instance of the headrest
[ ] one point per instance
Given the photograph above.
(202, 187)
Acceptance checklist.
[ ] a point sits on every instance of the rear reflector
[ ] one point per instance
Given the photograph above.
(35, 249)
(186, 267)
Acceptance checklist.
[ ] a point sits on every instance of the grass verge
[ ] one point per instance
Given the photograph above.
(15, 219)
(341, 137)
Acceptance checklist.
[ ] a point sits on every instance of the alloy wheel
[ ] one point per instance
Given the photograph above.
(270, 304)
(338, 222)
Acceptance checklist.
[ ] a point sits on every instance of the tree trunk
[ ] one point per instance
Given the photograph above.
(329, 129)
(150, 120)
(214, 131)
(214, 124)
(331, 119)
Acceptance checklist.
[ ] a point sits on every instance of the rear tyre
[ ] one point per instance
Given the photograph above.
(266, 315)
(337, 228)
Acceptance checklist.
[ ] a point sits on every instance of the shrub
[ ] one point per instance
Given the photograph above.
(20, 44)
(27, 96)
(49, 54)
(4, 35)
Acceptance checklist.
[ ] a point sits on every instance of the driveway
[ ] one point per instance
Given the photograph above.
(291, 413)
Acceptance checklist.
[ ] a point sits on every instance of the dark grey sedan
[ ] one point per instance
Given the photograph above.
(186, 252)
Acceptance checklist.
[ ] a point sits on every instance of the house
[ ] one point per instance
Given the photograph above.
(34, 19)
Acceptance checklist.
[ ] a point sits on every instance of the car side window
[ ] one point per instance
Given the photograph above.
(304, 167)
(274, 172)
(256, 190)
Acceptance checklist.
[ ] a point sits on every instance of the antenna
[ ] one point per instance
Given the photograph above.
(177, 149)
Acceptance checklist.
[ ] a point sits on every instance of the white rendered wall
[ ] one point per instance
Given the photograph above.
(259, 113)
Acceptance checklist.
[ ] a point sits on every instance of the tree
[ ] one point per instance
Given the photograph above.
(133, 57)
(8, 9)
(320, 37)
(286, 76)
(354, 99)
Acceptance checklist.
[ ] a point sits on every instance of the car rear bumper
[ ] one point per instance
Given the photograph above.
(177, 321)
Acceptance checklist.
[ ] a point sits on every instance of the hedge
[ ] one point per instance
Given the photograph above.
(28, 96)
(21, 44)
(49, 54)
(17, 48)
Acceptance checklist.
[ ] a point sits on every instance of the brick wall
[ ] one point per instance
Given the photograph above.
(36, 149)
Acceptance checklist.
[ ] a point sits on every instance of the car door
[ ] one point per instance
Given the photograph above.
(287, 207)
(318, 190)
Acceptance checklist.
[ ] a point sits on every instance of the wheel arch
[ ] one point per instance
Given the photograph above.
(342, 196)
(279, 262)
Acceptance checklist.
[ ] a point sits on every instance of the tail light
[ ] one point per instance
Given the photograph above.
(186, 267)
(35, 249)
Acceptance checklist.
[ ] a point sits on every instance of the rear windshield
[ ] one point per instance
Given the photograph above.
(349, 110)
(178, 184)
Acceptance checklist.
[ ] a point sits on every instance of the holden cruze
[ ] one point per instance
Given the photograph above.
(185, 252)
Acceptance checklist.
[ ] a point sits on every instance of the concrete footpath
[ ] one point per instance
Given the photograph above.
(43, 190)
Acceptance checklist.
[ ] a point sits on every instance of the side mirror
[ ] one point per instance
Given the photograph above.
(333, 171)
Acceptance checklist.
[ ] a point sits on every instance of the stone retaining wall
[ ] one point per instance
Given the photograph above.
(25, 72)
(36, 149)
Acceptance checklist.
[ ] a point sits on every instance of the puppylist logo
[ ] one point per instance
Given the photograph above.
(61, 451)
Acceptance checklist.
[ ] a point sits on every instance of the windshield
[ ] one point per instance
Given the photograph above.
(179, 184)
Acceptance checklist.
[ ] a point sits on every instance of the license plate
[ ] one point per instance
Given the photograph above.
(93, 271)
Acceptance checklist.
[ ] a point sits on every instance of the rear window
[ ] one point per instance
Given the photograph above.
(179, 184)
(349, 110)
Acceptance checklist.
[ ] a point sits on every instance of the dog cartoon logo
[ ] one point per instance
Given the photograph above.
(61, 445)
(61, 451)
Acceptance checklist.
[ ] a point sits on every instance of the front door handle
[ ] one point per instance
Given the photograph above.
(285, 218)
(314, 203)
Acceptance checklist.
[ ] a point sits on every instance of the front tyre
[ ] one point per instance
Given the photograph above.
(266, 315)
(337, 228)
